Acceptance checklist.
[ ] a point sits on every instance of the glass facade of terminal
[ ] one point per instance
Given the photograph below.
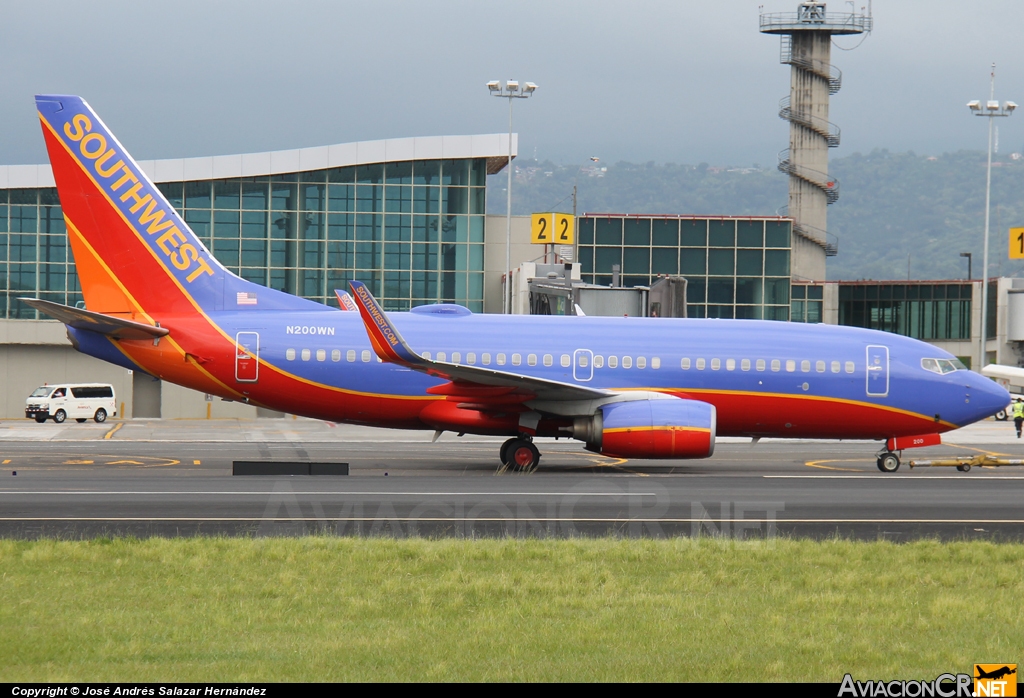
(735, 268)
(807, 304)
(412, 231)
(928, 311)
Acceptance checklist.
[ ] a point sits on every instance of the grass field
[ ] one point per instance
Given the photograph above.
(324, 609)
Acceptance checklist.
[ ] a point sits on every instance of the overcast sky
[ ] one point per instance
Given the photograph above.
(670, 81)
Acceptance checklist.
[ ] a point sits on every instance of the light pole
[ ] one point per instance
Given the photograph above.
(968, 255)
(990, 110)
(576, 225)
(510, 91)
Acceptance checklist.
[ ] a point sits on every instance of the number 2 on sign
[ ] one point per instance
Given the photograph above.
(1016, 243)
(564, 228)
(540, 228)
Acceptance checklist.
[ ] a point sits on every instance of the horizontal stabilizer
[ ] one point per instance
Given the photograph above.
(82, 319)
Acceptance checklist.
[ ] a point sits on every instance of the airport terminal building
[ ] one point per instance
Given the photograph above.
(407, 217)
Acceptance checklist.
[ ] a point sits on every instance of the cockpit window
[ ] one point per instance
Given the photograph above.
(942, 365)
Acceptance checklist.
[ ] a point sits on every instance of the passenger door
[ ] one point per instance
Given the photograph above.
(247, 357)
(78, 403)
(877, 370)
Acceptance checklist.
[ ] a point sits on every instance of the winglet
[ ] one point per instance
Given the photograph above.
(384, 338)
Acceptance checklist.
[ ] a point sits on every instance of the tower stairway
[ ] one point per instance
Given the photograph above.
(824, 128)
(825, 71)
(829, 185)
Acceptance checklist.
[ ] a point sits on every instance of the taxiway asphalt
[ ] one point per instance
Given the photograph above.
(173, 477)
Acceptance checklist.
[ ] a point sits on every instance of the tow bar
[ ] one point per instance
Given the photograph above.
(965, 463)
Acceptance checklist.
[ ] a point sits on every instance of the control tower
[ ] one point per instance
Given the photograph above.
(806, 47)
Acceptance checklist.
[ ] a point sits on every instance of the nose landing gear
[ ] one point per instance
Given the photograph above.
(519, 455)
(888, 462)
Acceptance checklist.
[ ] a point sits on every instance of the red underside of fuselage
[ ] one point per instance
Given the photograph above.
(745, 414)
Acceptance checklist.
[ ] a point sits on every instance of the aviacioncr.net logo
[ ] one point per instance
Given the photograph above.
(943, 686)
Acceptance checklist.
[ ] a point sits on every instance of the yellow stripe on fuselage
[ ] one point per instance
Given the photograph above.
(819, 398)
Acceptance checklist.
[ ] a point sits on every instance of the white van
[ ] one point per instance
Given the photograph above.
(80, 401)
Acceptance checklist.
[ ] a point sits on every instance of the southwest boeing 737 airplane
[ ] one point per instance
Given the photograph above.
(157, 301)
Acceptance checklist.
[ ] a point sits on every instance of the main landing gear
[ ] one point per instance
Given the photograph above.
(519, 455)
(888, 462)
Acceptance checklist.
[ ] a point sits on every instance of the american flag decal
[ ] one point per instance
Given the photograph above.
(245, 298)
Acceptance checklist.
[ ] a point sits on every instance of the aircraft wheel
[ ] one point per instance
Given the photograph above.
(888, 462)
(522, 456)
(1001, 415)
(503, 453)
(59, 416)
(100, 416)
(80, 420)
(40, 419)
(965, 468)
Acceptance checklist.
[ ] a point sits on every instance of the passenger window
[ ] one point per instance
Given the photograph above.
(426, 355)
(745, 365)
(598, 361)
(566, 360)
(321, 355)
(641, 362)
(471, 358)
(485, 359)
(289, 354)
(305, 354)
(456, 357)
(584, 362)
(366, 356)
(441, 356)
(849, 367)
(819, 366)
(655, 362)
(531, 359)
(685, 364)
(700, 364)
(335, 354)
(716, 364)
(517, 359)
(835, 367)
(627, 362)
(805, 366)
(776, 365)
(730, 364)
(613, 362)
(548, 360)
(790, 365)
(760, 364)
(501, 359)
(350, 355)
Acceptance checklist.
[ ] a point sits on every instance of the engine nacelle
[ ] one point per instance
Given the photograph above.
(663, 428)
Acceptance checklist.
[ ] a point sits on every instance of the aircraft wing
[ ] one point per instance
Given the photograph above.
(480, 386)
(79, 318)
